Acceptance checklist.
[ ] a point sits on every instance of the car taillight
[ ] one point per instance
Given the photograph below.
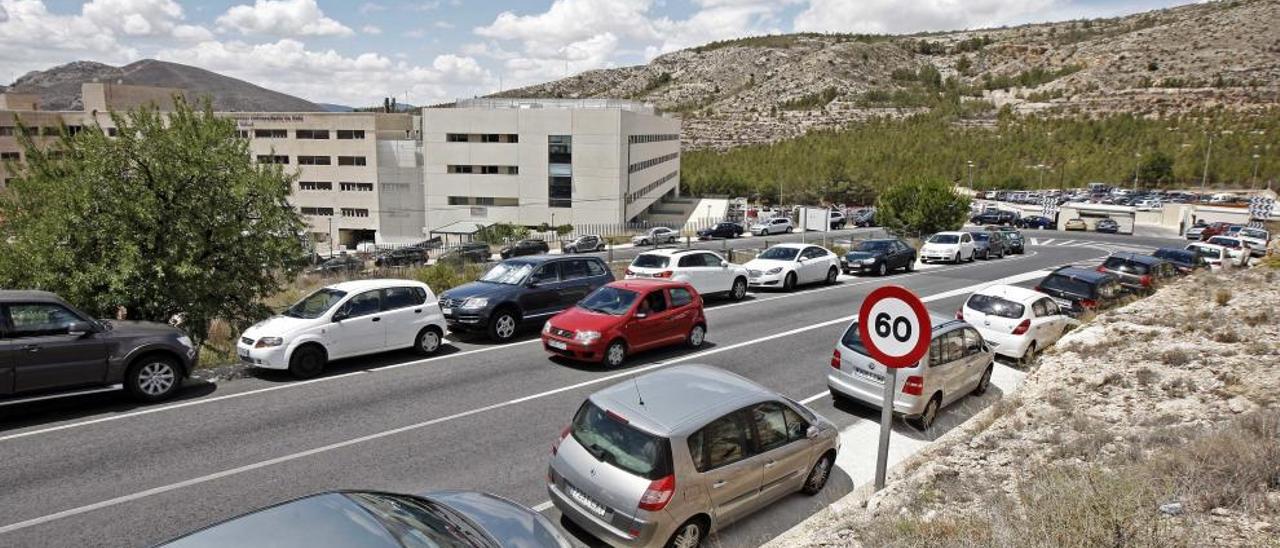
(1088, 303)
(1037, 289)
(835, 358)
(659, 493)
(563, 434)
(663, 274)
(630, 273)
(1146, 280)
(914, 385)
(960, 313)
(1022, 327)
(1101, 268)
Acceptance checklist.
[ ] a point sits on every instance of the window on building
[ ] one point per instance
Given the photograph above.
(315, 185)
(646, 164)
(312, 133)
(354, 212)
(351, 160)
(112, 132)
(483, 201)
(242, 133)
(351, 134)
(50, 131)
(357, 187)
(314, 160)
(395, 187)
(272, 159)
(489, 138)
(73, 130)
(457, 137)
(459, 169)
(7, 131)
(11, 156)
(317, 211)
(271, 133)
(560, 170)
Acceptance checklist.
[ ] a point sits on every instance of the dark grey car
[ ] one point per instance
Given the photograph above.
(47, 346)
(988, 244)
(448, 519)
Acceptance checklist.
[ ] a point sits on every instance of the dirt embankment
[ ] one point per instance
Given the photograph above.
(1156, 424)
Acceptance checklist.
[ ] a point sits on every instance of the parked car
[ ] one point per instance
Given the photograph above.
(1015, 244)
(959, 363)
(1077, 290)
(995, 217)
(1214, 255)
(1015, 321)
(403, 256)
(864, 218)
(627, 317)
(837, 220)
(706, 271)
(1109, 226)
(792, 264)
(1185, 261)
(1138, 273)
(1196, 232)
(729, 445)
(988, 243)
(342, 264)
(342, 321)
(721, 230)
(1214, 229)
(521, 248)
(466, 253)
(1035, 221)
(48, 346)
(585, 244)
(879, 257)
(948, 246)
(1239, 250)
(1256, 239)
(657, 235)
(1149, 204)
(1075, 224)
(776, 225)
(521, 290)
(372, 518)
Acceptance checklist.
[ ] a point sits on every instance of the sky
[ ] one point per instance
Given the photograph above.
(428, 51)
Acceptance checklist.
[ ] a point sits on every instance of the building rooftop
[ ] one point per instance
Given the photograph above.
(495, 103)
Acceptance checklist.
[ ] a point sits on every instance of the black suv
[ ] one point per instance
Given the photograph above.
(524, 247)
(1185, 261)
(342, 264)
(1138, 273)
(521, 290)
(404, 256)
(879, 257)
(1079, 289)
(47, 346)
(994, 217)
(466, 253)
(721, 230)
(1013, 242)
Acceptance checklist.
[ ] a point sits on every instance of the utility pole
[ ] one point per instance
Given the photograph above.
(1253, 183)
(970, 175)
(1204, 181)
(1136, 162)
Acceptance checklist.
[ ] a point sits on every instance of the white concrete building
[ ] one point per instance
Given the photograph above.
(534, 161)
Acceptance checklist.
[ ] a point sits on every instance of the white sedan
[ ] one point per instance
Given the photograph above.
(344, 320)
(776, 225)
(656, 236)
(1017, 322)
(792, 264)
(948, 246)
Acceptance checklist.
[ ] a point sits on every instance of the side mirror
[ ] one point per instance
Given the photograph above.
(533, 284)
(341, 315)
(724, 264)
(81, 329)
(812, 432)
(641, 315)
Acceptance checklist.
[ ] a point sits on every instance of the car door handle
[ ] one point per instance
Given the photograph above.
(417, 311)
(32, 348)
(377, 319)
(719, 484)
(770, 464)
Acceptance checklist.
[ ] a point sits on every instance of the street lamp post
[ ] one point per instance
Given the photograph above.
(1256, 158)
(970, 175)
(1136, 163)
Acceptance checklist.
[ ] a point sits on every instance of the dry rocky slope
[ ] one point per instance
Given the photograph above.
(764, 89)
(59, 87)
(1156, 424)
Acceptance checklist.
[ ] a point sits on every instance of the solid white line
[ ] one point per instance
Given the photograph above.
(1046, 242)
(1065, 243)
(111, 388)
(814, 398)
(1035, 241)
(460, 415)
(542, 507)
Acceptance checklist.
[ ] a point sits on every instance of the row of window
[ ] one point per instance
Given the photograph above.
(326, 185)
(328, 211)
(482, 138)
(646, 189)
(646, 164)
(312, 160)
(483, 201)
(655, 138)
(47, 131)
(13, 156)
(485, 170)
(311, 134)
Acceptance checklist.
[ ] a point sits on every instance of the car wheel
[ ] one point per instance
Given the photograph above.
(790, 230)
(957, 257)
(789, 282)
(832, 274)
(882, 270)
(930, 414)
(818, 476)
(688, 535)
(1028, 357)
(502, 327)
(615, 354)
(739, 290)
(306, 362)
(153, 378)
(983, 383)
(911, 265)
(697, 336)
(428, 341)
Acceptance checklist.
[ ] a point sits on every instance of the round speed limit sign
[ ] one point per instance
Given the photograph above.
(894, 326)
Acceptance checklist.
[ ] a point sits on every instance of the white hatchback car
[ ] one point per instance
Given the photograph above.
(792, 264)
(776, 225)
(1017, 322)
(345, 320)
(656, 236)
(948, 246)
(706, 271)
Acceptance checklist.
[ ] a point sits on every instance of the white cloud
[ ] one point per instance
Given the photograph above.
(414, 33)
(892, 16)
(282, 18)
(442, 24)
(370, 7)
(718, 20)
(371, 29)
(34, 38)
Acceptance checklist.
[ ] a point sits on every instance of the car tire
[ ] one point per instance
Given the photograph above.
(958, 259)
(984, 382)
(503, 325)
(615, 354)
(833, 274)
(789, 282)
(1028, 357)
(930, 414)
(307, 362)
(689, 534)
(818, 476)
(697, 335)
(911, 265)
(428, 341)
(882, 270)
(739, 289)
(790, 230)
(153, 378)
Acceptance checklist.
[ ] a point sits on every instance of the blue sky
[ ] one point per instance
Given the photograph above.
(356, 52)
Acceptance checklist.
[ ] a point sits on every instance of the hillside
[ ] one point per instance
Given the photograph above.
(59, 87)
(763, 89)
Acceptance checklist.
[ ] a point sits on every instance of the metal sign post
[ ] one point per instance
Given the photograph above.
(886, 425)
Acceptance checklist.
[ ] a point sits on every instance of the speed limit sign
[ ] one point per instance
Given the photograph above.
(895, 329)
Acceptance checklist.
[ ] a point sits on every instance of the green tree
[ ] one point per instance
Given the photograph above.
(169, 218)
(1156, 168)
(501, 233)
(922, 206)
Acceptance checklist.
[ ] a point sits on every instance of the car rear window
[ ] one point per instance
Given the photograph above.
(996, 306)
(1119, 264)
(611, 439)
(647, 260)
(1067, 284)
(1175, 255)
(853, 340)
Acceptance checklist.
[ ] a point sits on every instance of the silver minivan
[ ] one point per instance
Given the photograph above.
(665, 458)
(959, 363)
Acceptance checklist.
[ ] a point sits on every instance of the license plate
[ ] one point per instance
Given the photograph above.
(585, 501)
(1064, 303)
(873, 377)
(557, 344)
(244, 355)
(446, 311)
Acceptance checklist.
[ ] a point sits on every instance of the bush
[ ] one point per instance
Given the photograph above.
(922, 206)
(1222, 296)
(443, 276)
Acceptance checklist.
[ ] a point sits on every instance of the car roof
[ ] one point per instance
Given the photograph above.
(356, 286)
(644, 284)
(673, 252)
(28, 295)
(952, 232)
(1085, 274)
(1137, 258)
(679, 400)
(1011, 293)
(795, 245)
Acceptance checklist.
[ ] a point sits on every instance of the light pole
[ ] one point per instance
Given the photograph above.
(1254, 183)
(1136, 162)
(970, 175)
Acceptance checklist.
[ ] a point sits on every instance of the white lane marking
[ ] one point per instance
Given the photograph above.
(813, 398)
(1035, 241)
(460, 415)
(1046, 242)
(111, 388)
(1065, 242)
(542, 507)
(213, 399)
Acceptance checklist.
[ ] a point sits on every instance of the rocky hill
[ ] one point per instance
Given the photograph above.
(762, 89)
(59, 87)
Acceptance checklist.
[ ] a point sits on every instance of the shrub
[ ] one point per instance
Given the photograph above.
(1228, 336)
(1174, 357)
(1222, 296)
(443, 276)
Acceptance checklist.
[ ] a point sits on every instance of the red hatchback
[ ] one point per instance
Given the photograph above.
(625, 317)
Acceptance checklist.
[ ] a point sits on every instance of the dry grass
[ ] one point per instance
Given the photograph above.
(1174, 357)
(1222, 296)
(1232, 468)
(1227, 336)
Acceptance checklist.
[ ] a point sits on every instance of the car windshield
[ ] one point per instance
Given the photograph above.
(509, 273)
(1225, 242)
(982, 236)
(995, 306)
(875, 245)
(1205, 251)
(335, 261)
(613, 301)
(316, 304)
(1120, 264)
(649, 260)
(1175, 255)
(779, 254)
(1253, 233)
(1067, 284)
(609, 438)
(944, 239)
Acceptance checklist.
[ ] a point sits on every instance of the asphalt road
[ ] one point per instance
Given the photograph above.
(95, 471)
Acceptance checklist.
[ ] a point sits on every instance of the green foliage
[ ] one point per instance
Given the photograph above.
(789, 40)
(964, 64)
(812, 100)
(501, 233)
(170, 217)
(445, 275)
(973, 44)
(654, 84)
(1028, 78)
(1156, 169)
(922, 206)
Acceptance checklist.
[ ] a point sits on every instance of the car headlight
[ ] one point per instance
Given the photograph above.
(185, 341)
(546, 327)
(268, 342)
(774, 270)
(473, 303)
(587, 337)
(869, 261)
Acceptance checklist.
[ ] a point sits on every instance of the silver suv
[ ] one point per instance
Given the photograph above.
(960, 362)
(670, 456)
